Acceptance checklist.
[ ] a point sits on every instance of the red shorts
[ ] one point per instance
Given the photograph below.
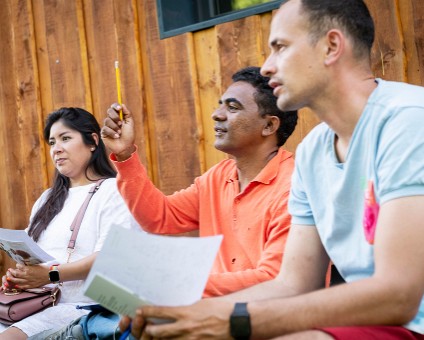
(372, 333)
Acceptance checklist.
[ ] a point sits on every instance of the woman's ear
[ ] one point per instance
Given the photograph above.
(271, 126)
(96, 138)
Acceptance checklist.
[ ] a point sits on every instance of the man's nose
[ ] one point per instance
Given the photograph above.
(268, 68)
(219, 114)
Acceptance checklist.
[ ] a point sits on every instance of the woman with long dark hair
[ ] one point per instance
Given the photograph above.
(80, 159)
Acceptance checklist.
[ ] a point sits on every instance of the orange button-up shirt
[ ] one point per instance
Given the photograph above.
(254, 223)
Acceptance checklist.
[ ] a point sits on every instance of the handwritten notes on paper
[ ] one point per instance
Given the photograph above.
(136, 268)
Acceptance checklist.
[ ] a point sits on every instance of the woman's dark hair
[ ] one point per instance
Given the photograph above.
(86, 124)
(267, 102)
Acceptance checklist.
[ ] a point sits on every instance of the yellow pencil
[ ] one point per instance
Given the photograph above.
(118, 87)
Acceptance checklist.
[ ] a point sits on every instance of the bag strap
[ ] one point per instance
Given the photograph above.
(80, 215)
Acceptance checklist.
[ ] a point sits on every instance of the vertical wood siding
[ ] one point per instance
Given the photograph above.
(56, 53)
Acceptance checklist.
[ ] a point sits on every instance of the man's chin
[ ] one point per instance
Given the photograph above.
(217, 146)
(220, 147)
(284, 105)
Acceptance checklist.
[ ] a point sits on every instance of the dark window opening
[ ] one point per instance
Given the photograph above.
(180, 16)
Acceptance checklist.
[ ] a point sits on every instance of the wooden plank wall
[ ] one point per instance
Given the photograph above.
(58, 53)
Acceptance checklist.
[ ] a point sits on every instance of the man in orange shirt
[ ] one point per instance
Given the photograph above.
(243, 198)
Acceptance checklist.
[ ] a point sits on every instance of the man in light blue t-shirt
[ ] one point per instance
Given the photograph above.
(357, 195)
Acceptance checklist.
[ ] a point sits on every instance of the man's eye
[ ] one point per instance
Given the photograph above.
(232, 108)
(279, 47)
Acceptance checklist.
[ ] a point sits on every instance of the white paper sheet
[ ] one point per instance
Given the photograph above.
(160, 270)
(22, 248)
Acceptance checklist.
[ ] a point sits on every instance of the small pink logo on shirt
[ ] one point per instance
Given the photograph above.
(371, 213)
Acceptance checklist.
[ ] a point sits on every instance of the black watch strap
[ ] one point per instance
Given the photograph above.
(240, 322)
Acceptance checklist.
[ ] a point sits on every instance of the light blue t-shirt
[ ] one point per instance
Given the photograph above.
(387, 148)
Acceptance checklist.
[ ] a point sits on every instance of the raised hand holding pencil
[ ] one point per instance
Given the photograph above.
(117, 134)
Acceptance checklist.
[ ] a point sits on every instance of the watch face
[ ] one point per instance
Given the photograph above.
(54, 276)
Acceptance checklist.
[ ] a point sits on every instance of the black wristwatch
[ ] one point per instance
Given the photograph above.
(54, 274)
(240, 322)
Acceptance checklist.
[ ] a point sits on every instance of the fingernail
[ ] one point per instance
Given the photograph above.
(16, 286)
(6, 284)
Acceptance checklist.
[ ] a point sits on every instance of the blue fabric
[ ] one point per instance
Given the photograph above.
(100, 324)
(387, 147)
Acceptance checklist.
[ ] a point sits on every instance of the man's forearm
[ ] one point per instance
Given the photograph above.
(366, 302)
(265, 290)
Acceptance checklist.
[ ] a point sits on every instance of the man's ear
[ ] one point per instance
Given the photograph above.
(272, 123)
(335, 44)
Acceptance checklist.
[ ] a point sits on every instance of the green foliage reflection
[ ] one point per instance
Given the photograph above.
(240, 4)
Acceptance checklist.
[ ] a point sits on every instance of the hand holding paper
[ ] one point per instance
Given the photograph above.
(22, 248)
(136, 268)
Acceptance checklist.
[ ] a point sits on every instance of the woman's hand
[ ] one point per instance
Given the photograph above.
(25, 277)
(6, 284)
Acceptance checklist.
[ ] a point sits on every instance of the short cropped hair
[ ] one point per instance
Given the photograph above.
(350, 16)
(267, 102)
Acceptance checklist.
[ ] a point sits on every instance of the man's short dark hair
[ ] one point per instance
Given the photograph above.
(350, 16)
(267, 102)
